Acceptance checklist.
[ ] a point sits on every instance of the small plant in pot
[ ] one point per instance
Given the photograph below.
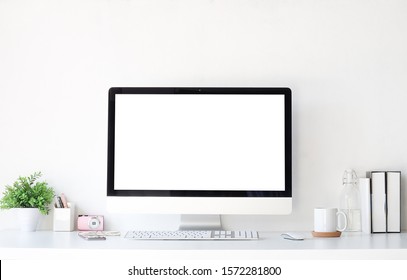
(31, 197)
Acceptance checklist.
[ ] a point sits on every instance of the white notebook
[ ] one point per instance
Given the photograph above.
(379, 221)
(364, 189)
(393, 201)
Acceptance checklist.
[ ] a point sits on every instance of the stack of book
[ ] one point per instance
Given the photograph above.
(381, 201)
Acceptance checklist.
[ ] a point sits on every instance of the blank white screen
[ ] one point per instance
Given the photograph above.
(199, 142)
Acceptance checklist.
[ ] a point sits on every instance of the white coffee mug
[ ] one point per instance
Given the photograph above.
(326, 220)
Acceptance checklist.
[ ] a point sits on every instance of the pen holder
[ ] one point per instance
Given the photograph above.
(64, 218)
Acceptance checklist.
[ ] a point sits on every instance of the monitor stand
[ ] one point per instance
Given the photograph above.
(200, 222)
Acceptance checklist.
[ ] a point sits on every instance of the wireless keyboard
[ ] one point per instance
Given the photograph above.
(193, 235)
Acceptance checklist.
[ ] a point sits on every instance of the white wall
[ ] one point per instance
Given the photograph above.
(345, 62)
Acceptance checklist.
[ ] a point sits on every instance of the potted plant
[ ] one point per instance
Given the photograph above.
(31, 197)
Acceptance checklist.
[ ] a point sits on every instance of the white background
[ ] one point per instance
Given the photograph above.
(119, 269)
(345, 62)
(199, 142)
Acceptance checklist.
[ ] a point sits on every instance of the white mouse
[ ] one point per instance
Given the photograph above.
(292, 236)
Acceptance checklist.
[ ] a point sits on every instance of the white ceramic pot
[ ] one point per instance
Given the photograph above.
(28, 218)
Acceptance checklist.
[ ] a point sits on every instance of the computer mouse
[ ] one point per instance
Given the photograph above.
(293, 236)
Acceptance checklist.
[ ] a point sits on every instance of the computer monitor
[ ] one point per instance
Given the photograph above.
(206, 151)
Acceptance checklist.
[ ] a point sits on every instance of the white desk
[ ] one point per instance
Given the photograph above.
(67, 245)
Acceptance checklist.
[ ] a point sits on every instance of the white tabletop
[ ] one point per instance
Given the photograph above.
(48, 244)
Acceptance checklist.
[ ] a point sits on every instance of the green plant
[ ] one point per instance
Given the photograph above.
(26, 193)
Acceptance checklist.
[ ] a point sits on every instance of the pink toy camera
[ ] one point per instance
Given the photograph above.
(90, 222)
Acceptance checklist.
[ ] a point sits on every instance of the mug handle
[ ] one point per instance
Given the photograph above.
(345, 218)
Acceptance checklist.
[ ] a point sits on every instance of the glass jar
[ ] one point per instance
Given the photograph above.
(350, 200)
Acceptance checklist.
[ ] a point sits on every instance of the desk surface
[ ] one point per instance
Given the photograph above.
(48, 244)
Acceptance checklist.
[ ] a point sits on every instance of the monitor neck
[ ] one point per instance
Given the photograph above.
(200, 222)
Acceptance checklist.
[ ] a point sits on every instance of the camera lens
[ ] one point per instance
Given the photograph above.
(93, 223)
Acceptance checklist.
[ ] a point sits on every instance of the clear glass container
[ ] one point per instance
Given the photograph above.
(350, 200)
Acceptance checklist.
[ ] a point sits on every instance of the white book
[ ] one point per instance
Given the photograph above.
(379, 217)
(365, 210)
(393, 201)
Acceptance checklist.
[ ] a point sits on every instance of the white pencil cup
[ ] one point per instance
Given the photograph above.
(64, 218)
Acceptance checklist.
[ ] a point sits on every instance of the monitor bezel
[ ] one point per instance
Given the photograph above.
(286, 92)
